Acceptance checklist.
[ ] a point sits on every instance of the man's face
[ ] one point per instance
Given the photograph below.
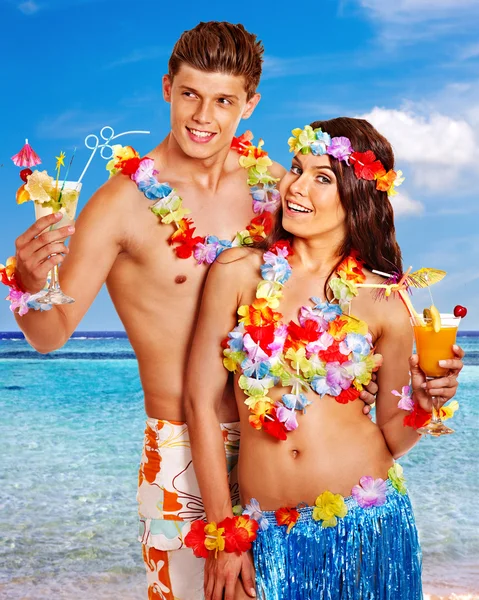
(206, 109)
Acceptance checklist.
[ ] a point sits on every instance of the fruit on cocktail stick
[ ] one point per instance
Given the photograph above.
(24, 174)
(460, 311)
(22, 195)
(433, 314)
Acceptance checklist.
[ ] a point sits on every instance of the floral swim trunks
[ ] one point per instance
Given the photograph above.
(168, 501)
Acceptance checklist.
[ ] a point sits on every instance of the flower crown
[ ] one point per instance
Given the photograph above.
(366, 166)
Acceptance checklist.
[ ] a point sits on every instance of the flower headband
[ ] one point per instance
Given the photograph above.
(366, 166)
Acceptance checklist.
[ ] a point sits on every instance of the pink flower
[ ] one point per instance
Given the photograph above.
(370, 492)
(323, 343)
(18, 300)
(406, 402)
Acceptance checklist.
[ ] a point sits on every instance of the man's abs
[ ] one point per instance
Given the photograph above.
(158, 306)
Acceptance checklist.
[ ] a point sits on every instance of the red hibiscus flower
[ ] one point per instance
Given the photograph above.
(196, 539)
(347, 395)
(239, 533)
(418, 417)
(260, 226)
(332, 354)
(281, 245)
(274, 427)
(242, 143)
(262, 335)
(365, 165)
(129, 166)
(308, 333)
(287, 516)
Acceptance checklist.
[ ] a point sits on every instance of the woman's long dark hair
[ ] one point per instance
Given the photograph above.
(370, 227)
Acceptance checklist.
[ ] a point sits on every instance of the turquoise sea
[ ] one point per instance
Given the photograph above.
(71, 430)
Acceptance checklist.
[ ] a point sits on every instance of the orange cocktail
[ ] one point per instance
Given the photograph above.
(433, 346)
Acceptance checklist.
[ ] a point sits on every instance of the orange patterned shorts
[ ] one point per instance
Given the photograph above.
(169, 500)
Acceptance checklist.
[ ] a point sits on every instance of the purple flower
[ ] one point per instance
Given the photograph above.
(286, 416)
(254, 511)
(205, 253)
(280, 335)
(406, 402)
(265, 199)
(340, 148)
(337, 378)
(371, 492)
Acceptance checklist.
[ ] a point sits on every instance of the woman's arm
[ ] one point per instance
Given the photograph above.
(205, 385)
(395, 344)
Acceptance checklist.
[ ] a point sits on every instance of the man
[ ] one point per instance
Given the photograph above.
(214, 71)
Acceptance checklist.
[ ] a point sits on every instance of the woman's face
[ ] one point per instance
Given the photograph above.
(310, 198)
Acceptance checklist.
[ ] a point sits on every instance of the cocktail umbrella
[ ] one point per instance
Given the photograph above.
(27, 157)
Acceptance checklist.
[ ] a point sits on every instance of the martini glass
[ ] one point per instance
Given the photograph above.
(66, 193)
(433, 346)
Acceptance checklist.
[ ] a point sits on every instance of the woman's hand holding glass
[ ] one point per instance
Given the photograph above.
(435, 392)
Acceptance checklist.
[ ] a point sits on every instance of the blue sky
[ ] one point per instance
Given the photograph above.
(411, 67)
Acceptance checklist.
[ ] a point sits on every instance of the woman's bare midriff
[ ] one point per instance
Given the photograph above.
(333, 447)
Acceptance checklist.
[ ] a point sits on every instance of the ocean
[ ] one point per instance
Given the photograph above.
(71, 431)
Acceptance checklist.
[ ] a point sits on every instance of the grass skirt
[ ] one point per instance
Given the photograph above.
(371, 554)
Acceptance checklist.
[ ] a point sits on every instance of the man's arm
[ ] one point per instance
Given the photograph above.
(93, 248)
(205, 385)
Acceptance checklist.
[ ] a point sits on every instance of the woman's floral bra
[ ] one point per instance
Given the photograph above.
(328, 351)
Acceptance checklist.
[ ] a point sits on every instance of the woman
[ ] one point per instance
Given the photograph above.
(318, 482)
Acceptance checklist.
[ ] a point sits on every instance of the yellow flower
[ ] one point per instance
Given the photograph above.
(328, 507)
(395, 475)
(354, 325)
(175, 216)
(447, 412)
(214, 538)
(270, 291)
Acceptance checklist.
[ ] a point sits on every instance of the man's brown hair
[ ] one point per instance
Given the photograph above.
(220, 47)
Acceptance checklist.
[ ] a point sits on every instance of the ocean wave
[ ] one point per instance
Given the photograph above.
(32, 355)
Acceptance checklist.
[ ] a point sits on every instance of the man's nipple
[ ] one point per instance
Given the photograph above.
(180, 279)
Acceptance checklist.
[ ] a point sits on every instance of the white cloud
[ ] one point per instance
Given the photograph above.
(404, 205)
(417, 10)
(74, 124)
(471, 51)
(139, 55)
(29, 7)
(439, 148)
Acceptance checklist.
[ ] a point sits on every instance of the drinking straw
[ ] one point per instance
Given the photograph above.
(105, 144)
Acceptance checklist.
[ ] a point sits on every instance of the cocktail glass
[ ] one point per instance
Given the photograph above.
(67, 192)
(433, 346)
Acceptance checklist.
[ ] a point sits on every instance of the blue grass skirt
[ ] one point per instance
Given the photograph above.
(371, 554)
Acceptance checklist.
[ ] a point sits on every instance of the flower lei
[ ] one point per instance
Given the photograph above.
(169, 205)
(19, 299)
(366, 166)
(329, 507)
(417, 417)
(329, 351)
(233, 534)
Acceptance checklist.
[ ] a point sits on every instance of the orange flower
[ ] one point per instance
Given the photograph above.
(287, 516)
(259, 313)
(337, 328)
(351, 269)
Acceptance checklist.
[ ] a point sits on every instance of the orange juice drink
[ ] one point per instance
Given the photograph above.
(433, 346)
